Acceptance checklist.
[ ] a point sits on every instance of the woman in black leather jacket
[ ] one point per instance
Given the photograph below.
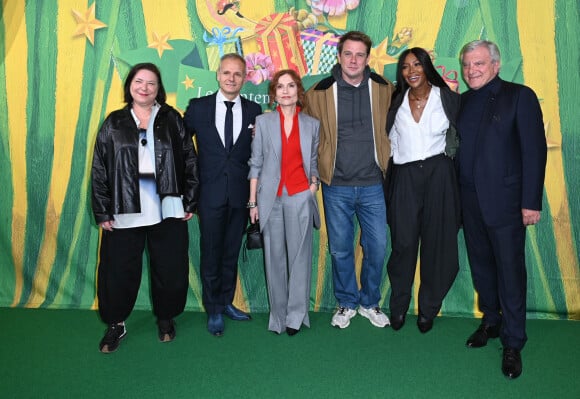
(144, 189)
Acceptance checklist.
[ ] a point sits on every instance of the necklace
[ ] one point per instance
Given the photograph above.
(419, 100)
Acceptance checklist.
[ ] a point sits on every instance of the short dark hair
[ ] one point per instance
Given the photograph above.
(355, 36)
(161, 95)
(295, 77)
(424, 59)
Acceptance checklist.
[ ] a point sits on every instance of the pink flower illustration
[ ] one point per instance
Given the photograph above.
(332, 7)
(259, 67)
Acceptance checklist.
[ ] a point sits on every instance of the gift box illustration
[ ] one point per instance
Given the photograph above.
(221, 41)
(320, 50)
(278, 36)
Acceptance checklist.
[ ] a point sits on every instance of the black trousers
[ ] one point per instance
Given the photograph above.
(497, 259)
(424, 210)
(221, 232)
(120, 269)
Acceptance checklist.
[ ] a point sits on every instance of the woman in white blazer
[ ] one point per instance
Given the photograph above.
(283, 183)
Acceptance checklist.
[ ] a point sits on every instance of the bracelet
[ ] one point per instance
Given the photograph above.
(317, 182)
(251, 204)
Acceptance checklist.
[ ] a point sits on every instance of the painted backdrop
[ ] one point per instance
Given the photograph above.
(63, 63)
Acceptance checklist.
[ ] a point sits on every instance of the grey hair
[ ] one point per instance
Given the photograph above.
(232, 56)
(491, 47)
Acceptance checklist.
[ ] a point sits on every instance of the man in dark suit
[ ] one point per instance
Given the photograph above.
(223, 125)
(502, 162)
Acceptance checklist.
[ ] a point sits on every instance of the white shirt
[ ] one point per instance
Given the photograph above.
(220, 116)
(415, 141)
(153, 209)
(149, 200)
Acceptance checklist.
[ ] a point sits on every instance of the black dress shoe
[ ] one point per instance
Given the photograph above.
(511, 364)
(166, 329)
(236, 314)
(481, 335)
(215, 324)
(424, 324)
(291, 331)
(397, 321)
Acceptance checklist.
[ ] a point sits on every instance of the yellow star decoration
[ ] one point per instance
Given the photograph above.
(160, 43)
(188, 82)
(87, 24)
(379, 57)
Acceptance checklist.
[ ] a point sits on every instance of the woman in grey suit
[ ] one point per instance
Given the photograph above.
(283, 184)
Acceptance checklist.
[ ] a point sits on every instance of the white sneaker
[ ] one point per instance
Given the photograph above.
(375, 315)
(341, 318)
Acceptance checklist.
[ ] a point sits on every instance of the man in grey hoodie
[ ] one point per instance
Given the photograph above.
(353, 157)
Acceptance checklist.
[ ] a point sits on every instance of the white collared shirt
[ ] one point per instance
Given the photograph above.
(149, 200)
(153, 209)
(220, 116)
(415, 141)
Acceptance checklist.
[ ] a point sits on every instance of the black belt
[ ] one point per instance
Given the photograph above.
(422, 161)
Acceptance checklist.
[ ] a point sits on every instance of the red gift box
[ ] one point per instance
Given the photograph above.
(279, 37)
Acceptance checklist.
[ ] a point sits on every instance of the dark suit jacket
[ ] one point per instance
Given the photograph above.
(510, 154)
(222, 176)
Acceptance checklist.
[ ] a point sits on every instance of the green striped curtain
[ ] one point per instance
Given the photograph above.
(62, 72)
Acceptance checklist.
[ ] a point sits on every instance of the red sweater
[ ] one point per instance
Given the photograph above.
(292, 171)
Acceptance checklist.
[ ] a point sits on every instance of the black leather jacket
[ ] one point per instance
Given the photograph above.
(115, 170)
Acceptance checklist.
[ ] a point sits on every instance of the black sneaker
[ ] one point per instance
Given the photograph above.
(166, 330)
(112, 338)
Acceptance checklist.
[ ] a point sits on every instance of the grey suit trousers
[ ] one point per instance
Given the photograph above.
(288, 259)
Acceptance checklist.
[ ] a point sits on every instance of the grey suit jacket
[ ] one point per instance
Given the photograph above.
(267, 156)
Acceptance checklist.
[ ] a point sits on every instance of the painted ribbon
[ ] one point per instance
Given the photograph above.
(221, 36)
(450, 77)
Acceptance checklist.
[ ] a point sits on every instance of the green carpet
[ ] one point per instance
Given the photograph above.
(54, 354)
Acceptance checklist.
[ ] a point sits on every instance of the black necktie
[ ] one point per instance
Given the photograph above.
(229, 126)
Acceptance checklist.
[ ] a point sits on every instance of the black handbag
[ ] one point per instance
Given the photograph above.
(254, 237)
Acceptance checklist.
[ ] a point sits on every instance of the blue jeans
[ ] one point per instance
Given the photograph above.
(341, 204)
